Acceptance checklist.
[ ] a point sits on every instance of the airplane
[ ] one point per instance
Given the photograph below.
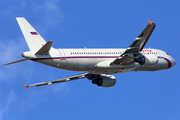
(97, 65)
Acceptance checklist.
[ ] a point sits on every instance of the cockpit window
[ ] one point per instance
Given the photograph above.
(167, 53)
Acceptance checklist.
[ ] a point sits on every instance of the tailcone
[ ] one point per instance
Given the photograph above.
(29, 55)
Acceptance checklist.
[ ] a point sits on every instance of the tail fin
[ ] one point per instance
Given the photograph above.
(33, 38)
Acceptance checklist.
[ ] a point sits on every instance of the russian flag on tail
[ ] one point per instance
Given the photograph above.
(34, 33)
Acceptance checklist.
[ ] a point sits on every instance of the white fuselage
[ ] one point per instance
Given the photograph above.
(90, 60)
(96, 63)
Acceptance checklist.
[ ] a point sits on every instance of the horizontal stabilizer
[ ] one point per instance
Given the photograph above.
(45, 49)
(17, 61)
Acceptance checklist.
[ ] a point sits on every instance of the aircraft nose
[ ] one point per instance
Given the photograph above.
(173, 62)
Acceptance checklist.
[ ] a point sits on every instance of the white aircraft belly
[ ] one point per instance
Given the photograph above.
(83, 64)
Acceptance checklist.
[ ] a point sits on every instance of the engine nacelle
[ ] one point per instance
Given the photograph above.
(105, 81)
(147, 60)
(150, 60)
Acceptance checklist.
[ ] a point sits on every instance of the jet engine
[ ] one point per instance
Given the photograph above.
(105, 81)
(147, 60)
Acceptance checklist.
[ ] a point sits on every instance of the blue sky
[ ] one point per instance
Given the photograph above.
(91, 24)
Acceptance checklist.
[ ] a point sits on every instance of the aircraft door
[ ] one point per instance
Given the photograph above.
(62, 54)
(62, 58)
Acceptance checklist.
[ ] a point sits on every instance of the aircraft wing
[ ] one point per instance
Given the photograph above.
(137, 45)
(75, 77)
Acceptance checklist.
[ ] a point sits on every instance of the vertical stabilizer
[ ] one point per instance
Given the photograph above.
(33, 38)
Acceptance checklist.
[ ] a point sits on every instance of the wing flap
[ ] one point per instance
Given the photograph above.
(124, 60)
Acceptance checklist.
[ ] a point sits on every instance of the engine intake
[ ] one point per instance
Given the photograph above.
(147, 60)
